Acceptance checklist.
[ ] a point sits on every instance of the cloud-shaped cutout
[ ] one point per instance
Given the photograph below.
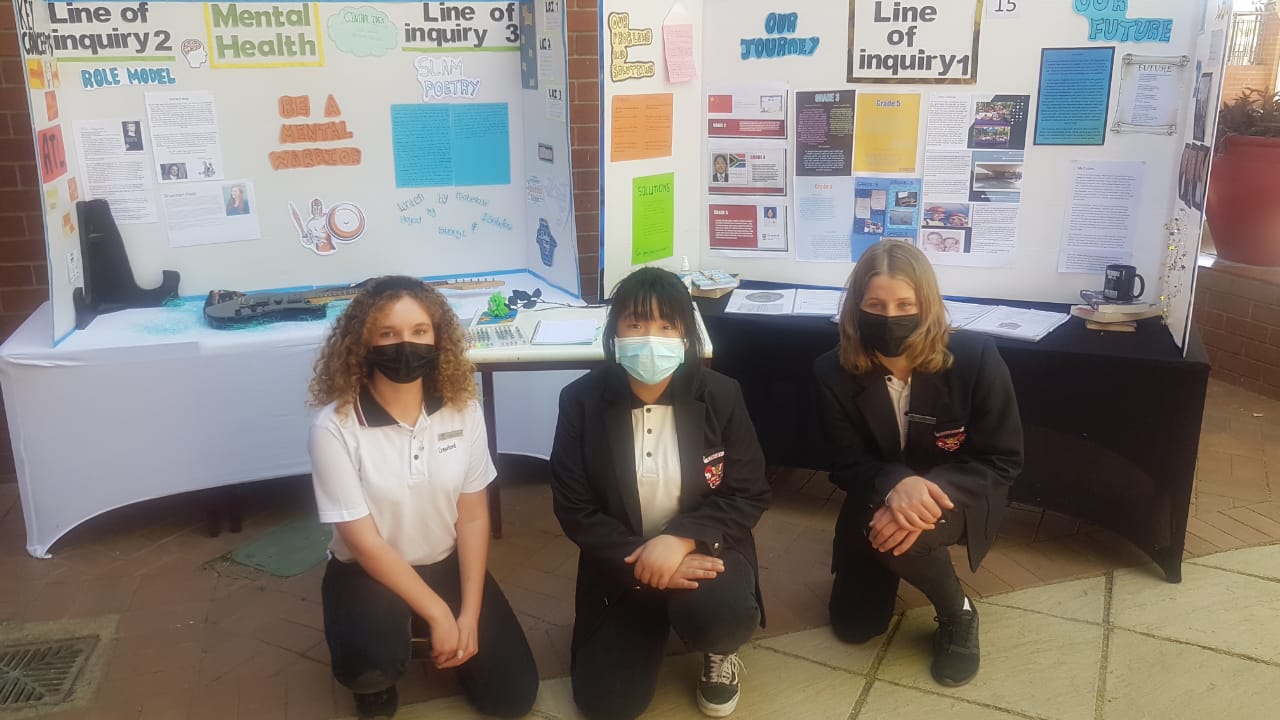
(362, 31)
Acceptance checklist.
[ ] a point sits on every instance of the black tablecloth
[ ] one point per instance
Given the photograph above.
(1112, 420)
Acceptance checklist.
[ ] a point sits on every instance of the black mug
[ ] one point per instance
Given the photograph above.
(1120, 280)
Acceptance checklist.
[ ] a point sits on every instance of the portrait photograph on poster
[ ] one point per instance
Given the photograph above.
(945, 240)
(946, 215)
(734, 170)
(1204, 84)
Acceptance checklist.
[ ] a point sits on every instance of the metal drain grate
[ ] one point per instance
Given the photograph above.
(41, 673)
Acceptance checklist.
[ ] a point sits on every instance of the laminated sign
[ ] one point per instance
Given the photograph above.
(914, 41)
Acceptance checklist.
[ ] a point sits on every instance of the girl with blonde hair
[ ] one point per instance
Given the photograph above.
(923, 428)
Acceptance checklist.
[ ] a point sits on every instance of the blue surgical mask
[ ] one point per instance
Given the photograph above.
(649, 359)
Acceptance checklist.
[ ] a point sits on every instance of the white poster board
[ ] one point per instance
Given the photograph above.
(262, 145)
(933, 146)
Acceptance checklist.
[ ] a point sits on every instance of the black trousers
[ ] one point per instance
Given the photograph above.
(367, 629)
(866, 580)
(616, 663)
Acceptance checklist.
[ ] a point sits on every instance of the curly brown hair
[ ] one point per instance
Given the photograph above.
(341, 370)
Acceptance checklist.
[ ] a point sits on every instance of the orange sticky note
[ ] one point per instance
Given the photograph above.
(641, 127)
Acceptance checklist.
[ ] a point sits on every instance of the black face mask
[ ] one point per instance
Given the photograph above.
(886, 335)
(403, 362)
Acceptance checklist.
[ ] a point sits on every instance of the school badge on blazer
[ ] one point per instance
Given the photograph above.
(950, 440)
(713, 469)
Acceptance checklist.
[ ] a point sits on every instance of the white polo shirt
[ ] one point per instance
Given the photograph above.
(653, 428)
(365, 462)
(900, 397)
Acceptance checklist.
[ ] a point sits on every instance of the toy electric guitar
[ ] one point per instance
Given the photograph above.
(225, 309)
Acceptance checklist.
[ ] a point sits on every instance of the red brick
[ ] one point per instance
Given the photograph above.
(14, 99)
(587, 202)
(40, 274)
(1263, 353)
(585, 113)
(1211, 319)
(15, 276)
(582, 180)
(1223, 341)
(20, 122)
(8, 173)
(588, 220)
(588, 242)
(584, 45)
(1227, 304)
(1247, 329)
(29, 177)
(13, 72)
(12, 227)
(582, 21)
(1265, 314)
(10, 322)
(6, 128)
(583, 68)
(21, 149)
(1247, 369)
(586, 91)
(17, 200)
(22, 300)
(17, 251)
(586, 157)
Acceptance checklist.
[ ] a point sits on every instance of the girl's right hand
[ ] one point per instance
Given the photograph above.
(917, 504)
(444, 638)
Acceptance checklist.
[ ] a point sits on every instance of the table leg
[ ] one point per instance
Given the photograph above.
(491, 429)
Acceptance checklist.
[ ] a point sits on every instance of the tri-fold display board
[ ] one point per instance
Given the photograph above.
(1024, 145)
(260, 145)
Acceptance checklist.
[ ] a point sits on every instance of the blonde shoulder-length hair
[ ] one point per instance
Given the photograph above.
(926, 349)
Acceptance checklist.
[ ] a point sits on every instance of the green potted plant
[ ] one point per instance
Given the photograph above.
(1242, 204)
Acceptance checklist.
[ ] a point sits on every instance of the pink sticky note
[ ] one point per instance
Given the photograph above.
(678, 47)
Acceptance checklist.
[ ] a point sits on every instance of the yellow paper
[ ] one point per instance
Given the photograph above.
(886, 132)
(641, 127)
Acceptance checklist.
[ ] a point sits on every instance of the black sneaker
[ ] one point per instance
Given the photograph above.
(955, 648)
(379, 705)
(718, 690)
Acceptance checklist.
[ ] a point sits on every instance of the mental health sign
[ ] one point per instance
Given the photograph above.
(914, 41)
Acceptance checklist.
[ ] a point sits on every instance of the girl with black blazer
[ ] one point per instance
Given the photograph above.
(925, 437)
(657, 476)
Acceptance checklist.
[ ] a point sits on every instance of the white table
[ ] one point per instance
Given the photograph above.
(150, 403)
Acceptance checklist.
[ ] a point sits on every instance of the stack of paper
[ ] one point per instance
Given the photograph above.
(1017, 323)
(961, 314)
(762, 302)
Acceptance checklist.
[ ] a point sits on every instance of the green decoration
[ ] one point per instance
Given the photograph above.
(498, 306)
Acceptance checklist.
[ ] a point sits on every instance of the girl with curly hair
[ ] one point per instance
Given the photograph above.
(400, 466)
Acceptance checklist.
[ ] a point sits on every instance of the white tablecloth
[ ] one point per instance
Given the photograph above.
(148, 403)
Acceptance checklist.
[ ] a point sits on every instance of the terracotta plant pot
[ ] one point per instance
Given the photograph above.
(1242, 205)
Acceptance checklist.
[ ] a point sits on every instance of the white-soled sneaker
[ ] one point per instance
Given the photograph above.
(718, 689)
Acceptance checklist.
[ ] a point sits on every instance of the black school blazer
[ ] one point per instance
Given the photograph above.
(593, 475)
(973, 450)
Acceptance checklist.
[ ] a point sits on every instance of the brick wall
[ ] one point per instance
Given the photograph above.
(584, 116)
(24, 278)
(1262, 74)
(1239, 321)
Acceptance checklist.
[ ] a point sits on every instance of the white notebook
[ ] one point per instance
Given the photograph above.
(565, 332)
